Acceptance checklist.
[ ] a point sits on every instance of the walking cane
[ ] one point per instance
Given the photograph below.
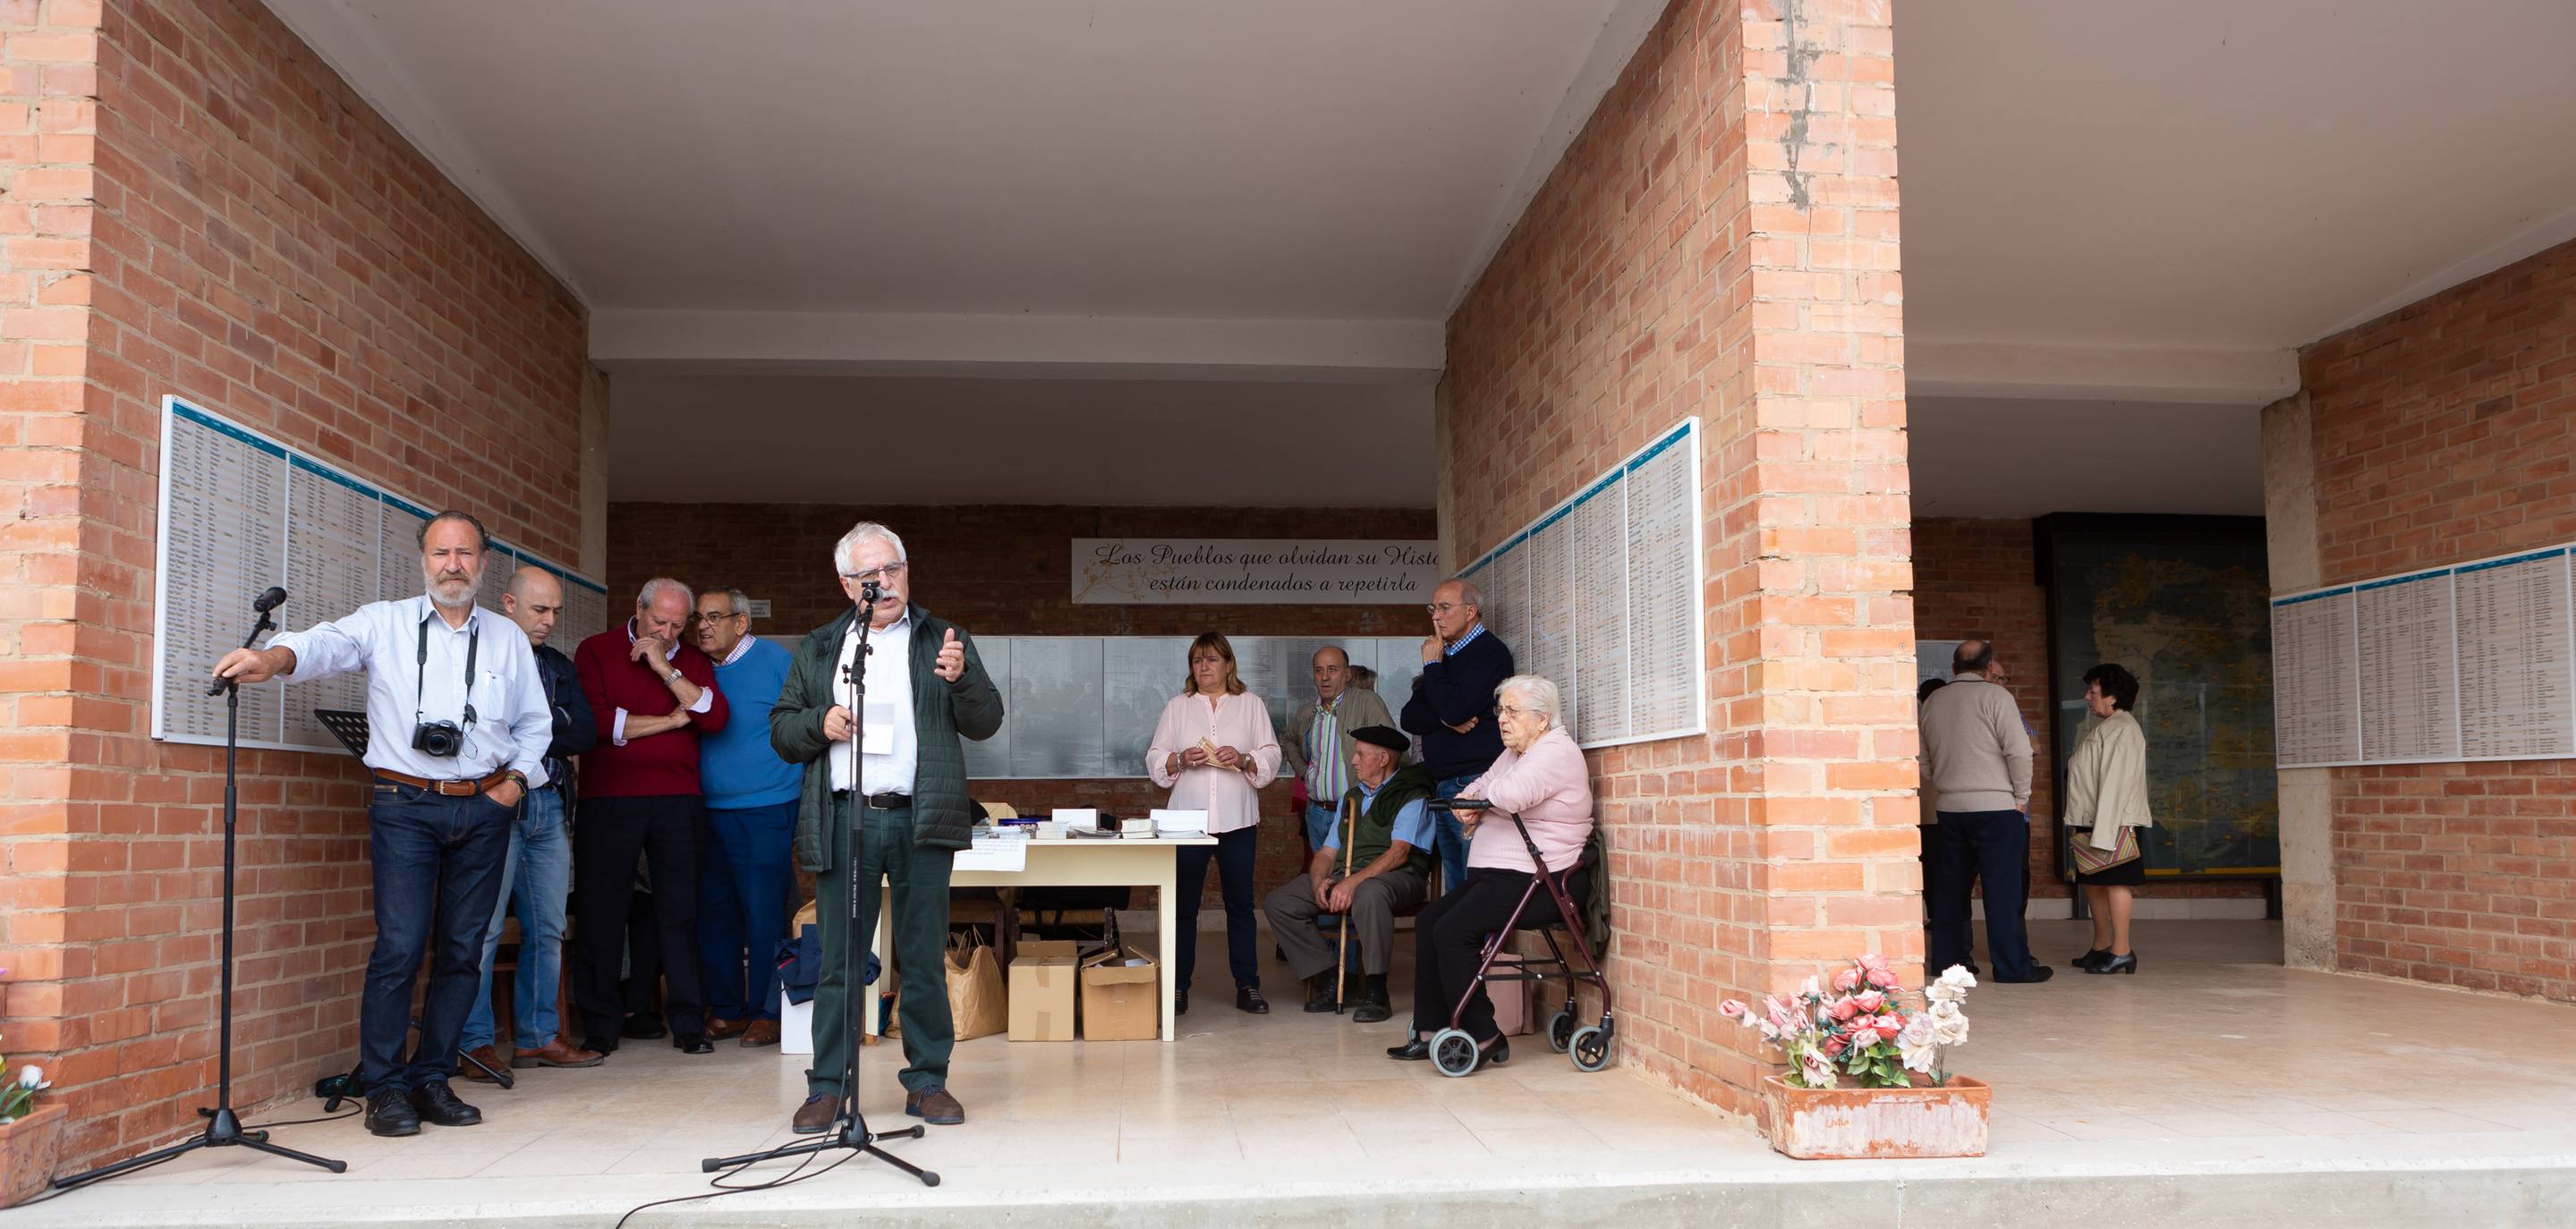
(1342, 935)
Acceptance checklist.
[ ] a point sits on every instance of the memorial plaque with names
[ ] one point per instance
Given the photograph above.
(1055, 708)
(1600, 549)
(1663, 667)
(1546, 646)
(2315, 672)
(1139, 675)
(2517, 667)
(332, 539)
(991, 757)
(2409, 673)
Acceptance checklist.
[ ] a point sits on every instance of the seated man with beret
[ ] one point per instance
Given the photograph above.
(1387, 829)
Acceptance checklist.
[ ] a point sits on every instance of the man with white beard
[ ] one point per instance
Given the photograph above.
(457, 730)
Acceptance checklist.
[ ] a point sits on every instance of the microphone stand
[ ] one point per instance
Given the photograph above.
(223, 1126)
(850, 1129)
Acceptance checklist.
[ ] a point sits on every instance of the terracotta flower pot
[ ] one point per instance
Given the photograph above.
(29, 1150)
(1817, 1124)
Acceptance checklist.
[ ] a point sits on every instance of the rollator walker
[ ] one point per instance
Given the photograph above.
(1452, 1050)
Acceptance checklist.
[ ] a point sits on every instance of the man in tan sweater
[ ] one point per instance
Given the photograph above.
(1976, 763)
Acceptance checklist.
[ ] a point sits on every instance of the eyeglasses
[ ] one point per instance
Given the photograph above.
(1506, 710)
(875, 575)
(1440, 608)
(710, 618)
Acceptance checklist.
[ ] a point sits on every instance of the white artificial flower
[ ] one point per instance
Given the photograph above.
(1818, 1069)
(1811, 989)
(1949, 1024)
(1917, 1048)
(32, 1076)
(1941, 992)
(1959, 976)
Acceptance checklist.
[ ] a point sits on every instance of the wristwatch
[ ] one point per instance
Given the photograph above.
(518, 776)
(671, 677)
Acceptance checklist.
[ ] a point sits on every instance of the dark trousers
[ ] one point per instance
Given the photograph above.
(1449, 939)
(643, 982)
(613, 831)
(1971, 847)
(888, 858)
(437, 867)
(743, 884)
(1233, 854)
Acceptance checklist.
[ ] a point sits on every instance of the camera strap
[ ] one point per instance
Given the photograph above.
(420, 663)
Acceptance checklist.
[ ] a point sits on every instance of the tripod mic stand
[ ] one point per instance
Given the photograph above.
(850, 1129)
(223, 1126)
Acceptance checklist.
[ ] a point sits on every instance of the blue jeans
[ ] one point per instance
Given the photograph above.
(1319, 824)
(743, 884)
(437, 869)
(536, 877)
(1449, 836)
(1233, 854)
(1971, 847)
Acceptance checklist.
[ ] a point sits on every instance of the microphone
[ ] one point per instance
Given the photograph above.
(869, 592)
(270, 600)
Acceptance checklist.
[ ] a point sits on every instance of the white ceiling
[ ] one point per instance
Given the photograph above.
(2013, 458)
(928, 440)
(2112, 211)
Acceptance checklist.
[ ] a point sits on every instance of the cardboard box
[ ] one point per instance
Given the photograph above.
(795, 1026)
(1043, 972)
(1121, 1002)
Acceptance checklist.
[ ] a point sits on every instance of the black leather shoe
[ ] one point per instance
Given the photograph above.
(644, 1028)
(1180, 1002)
(2038, 974)
(437, 1103)
(2116, 964)
(389, 1112)
(602, 1046)
(693, 1043)
(1373, 1007)
(1248, 998)
(1497, 1052)
(1414, 1051)
(2091, 958)
(1319, 994)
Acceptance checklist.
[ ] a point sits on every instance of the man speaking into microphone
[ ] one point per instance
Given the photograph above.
(457, 729)
(885, 782)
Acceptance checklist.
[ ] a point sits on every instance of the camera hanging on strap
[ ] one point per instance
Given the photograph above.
(442, 739)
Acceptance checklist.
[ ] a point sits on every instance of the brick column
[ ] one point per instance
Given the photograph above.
(1721, 241)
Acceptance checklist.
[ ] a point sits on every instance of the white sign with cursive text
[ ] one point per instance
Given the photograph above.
(1253, 571)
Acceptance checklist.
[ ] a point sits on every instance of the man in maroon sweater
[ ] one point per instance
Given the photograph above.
(653, 694)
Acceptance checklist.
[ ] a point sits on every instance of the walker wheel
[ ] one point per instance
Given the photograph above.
(1454, 1052)
(1590, 1048)
(1560, 1029)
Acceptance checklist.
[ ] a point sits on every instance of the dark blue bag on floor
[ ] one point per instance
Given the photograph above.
(800, 965)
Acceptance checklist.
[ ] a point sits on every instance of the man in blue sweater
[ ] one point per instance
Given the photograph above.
(743, 876)
(1452, 708)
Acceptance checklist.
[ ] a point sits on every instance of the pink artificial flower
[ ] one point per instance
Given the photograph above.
(1731, 1009)
(1864, 1037)
(1875, 971)
(1819, 1071)
(1889, 1025)
(1847, 981)
(1871, 1002)
(1843, 1009)
(1834, 1046)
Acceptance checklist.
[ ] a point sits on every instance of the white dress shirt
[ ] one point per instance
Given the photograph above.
(889, 750)
(513, 725)
(1230, 796)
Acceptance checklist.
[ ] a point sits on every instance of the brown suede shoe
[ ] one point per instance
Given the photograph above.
(718, 1030)
(486, 1055)
(555, 1053)
(816, 1115)
(933, 1105)
(761, 1033)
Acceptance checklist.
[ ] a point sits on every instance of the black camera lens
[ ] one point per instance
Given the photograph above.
(439, 738)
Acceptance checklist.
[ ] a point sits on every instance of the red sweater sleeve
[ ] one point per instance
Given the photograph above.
(698, 668)
(594, 684)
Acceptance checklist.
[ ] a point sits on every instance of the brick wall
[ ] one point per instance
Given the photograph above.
(207, 210)
(2443, 432)
(1007, 571)
(1721, 241)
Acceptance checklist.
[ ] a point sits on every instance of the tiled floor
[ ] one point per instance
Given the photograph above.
(2212, 1055)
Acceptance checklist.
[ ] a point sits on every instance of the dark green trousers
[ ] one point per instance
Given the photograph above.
(919, 878)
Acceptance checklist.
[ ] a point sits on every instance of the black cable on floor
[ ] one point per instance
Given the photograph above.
(791, 1177)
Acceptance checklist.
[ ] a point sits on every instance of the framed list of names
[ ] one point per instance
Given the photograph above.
(240, 512)
(1601, 595)
(2472, 662)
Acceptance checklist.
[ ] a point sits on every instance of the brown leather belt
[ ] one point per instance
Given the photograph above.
(456, 787)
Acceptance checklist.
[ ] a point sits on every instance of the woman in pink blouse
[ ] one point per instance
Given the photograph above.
(1214, 750)
(1542, 777)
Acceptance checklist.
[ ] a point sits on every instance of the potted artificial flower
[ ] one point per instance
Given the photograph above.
(30, 1134)
(1865, 1077)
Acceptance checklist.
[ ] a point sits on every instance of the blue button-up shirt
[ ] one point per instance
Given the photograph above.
(1412, 822)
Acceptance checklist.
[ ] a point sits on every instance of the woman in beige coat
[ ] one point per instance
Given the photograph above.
(2106, 791)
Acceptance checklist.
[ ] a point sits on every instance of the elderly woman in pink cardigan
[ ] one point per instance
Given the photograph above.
(1541, 776)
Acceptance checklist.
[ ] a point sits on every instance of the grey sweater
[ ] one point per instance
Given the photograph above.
(1976, 752)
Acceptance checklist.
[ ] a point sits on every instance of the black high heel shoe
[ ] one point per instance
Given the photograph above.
(2116, 964)
(2091, 958)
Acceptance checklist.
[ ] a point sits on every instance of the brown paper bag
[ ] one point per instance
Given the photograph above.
(977, 1004)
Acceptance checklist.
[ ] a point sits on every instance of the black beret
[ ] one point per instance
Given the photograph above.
(1384, 736)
